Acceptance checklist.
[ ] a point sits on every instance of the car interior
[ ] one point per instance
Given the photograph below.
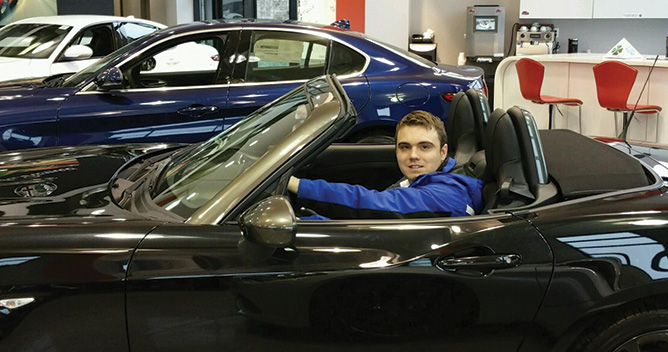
(521, 166)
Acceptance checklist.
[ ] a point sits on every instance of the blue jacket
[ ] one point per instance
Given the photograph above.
(438, 193)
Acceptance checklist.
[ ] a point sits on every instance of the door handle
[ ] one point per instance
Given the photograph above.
(484, 262)
(198, 110)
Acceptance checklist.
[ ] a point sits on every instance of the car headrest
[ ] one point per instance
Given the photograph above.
(504, 164)
(481, 111)
(531, 149)
(462, 142)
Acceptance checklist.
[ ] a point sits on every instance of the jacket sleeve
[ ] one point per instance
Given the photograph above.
(439, 199)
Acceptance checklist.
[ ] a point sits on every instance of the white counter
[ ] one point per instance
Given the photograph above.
(571, 75)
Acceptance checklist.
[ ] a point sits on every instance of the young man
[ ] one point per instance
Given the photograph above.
(421, 149)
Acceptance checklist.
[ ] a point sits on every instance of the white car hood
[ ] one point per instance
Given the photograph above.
(15, 68)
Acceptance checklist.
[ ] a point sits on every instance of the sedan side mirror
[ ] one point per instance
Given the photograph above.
(78, 52)
(110, 79)
(270, 222)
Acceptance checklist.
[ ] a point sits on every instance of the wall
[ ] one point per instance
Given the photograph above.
(85, 7)
(391, 27)
(648, 36)
(448, 20)
(394, 21)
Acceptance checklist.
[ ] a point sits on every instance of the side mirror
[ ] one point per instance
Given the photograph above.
(110, 79)
(78, 52)
(270, 222)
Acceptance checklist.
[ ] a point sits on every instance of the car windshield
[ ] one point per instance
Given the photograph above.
(83, 75)
(192, 179)
(31, 40)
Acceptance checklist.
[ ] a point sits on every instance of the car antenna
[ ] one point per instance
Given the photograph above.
(625, 128)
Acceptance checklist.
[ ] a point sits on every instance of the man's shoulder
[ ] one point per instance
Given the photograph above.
(446, 177)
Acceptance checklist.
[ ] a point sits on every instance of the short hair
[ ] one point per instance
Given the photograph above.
(426, 120)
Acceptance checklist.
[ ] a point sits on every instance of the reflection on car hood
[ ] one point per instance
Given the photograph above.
(62, 180)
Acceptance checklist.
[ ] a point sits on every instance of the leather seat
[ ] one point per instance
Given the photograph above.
(515, 163)
(467, 117)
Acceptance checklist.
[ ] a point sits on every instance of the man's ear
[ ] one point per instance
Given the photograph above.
(444, 152)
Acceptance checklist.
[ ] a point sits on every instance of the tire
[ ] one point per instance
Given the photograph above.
(643, 328)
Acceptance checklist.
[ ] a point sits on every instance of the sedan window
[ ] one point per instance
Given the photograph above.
(98, 38)
(182, 63)
(285, 56)
(130, 32)
(345, 61)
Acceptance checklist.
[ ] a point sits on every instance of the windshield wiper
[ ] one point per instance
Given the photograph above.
(56, 80)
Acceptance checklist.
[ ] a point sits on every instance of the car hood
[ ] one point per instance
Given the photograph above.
(13, 68)
(64, 181)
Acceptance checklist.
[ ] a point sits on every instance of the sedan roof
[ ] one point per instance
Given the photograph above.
(79, 21)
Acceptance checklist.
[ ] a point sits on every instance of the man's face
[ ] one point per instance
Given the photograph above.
(418, 151)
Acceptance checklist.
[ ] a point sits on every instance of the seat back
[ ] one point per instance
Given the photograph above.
(462, 143)
(531, 149)
(614, 81)
(515, 162)
(481, 112)
(530, 73)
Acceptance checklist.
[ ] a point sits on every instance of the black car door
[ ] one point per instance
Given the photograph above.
(467, 284)
(174, 92)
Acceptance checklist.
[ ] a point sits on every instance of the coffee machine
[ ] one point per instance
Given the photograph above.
(536, 39)
(485, 33)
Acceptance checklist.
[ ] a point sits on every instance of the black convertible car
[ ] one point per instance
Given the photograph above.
(200, 248)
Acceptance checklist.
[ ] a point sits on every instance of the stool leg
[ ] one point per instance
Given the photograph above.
(580, 118)
(625, 125)
(550, 114)
(656, 129)
(616, 125)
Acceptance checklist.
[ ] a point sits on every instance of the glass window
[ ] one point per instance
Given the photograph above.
(192, 179)
(31, 40)
(133, 31)
(284, 56)
(99, 38)
(345, 60)
(183, 63)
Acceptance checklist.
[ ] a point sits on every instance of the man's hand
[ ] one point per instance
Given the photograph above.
(293, 184)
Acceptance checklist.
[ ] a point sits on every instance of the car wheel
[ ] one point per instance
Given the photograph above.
(641, 329)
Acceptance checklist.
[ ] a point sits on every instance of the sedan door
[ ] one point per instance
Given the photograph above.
(173, 92)
(468, 284)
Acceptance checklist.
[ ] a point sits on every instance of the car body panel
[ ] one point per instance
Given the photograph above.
(153, 104)
(26, 68)
(168, 278)
(216, 282)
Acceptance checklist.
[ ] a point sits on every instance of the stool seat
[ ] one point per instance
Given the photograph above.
(614, 81)
(530, 73)
(548, 99)
(641, 109)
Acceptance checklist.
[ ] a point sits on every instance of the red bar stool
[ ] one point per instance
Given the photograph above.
(614, 81)
(531, 74)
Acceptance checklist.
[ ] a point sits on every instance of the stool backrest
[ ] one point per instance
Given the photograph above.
(614, 81)
(530, 73)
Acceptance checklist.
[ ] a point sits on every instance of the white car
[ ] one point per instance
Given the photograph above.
(45, 46)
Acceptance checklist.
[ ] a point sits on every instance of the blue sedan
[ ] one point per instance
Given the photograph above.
(186, 83)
